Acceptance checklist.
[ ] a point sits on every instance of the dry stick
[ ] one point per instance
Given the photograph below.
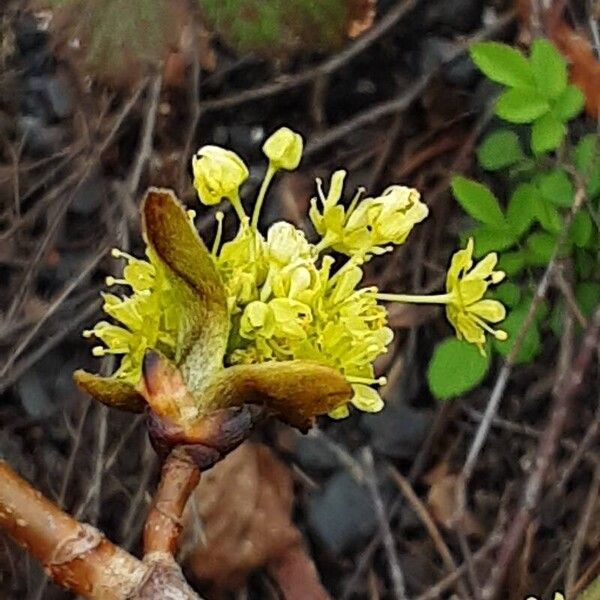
(503, 376)
(403, 101)
(389, 20)
(562, 404)
(179, 477)
(384, 525)
(78, 557)
(436, 591)
(582, 531)
(434, 533)
(56, 304)
(32, 357)
(145, 147)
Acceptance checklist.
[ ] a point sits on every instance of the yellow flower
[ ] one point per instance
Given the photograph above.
(393, 215)
(218, 174)
(283, 149)
(177, 340)
(467, 309)
(368, 226)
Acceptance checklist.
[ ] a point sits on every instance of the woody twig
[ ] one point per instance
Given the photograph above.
(77, 556)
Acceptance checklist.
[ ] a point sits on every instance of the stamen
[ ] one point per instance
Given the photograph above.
(219, 218)
(118, 253)
(191, 213)
(99, 351)
(88, 333)
(498, 276)
(110, 281)
(359, 192)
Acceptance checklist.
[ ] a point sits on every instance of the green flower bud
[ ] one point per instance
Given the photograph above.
(284, 149)
(218, 174)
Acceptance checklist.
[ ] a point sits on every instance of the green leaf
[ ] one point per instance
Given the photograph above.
(582, 229)
(584, 263)
(519, 105)
(477, 200)
(512, 263)
(455, 368)
(588, 164)
(547, 134)
(502, 63)
(520, 212)
(500, 149)
(541, 247)
(513, 324)
(587, 294)
(488, 239)
(549, 68)
(547, 214)
(508, 293)
(569, 104)
(556, 187)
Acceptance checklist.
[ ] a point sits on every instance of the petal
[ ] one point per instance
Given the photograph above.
(470, 330)
(366, 398)
(110, 391)
(295, 391)
(490, 310)
(171, 235)
(471, 290)
(484, 267)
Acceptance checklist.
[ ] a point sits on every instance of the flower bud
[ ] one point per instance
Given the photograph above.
(284, 149)
(218, 174)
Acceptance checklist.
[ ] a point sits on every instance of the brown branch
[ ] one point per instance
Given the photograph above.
(77, 556)
(179, 477)
(564, 397)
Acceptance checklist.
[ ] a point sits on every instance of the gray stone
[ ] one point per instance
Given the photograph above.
(341, 515)
(398, 431)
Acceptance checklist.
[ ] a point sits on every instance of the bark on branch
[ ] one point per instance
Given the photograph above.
(77, 556)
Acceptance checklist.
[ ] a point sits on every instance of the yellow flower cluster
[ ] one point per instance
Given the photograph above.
(149, 317)
(286, 298)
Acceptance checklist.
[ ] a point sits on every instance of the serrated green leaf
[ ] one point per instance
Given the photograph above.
(508, 293)
(520, 105)
(512, 263)
(587, 294)
(582, 229)
(556, 187)
(569, 104)
(547, 214)
(456, 367)
(513, 324)
(541, 247)
(520, 212)
(502, 63)
(547, 134)
(549, 68)
(500, 149)
(477, 200)
(492, 239)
